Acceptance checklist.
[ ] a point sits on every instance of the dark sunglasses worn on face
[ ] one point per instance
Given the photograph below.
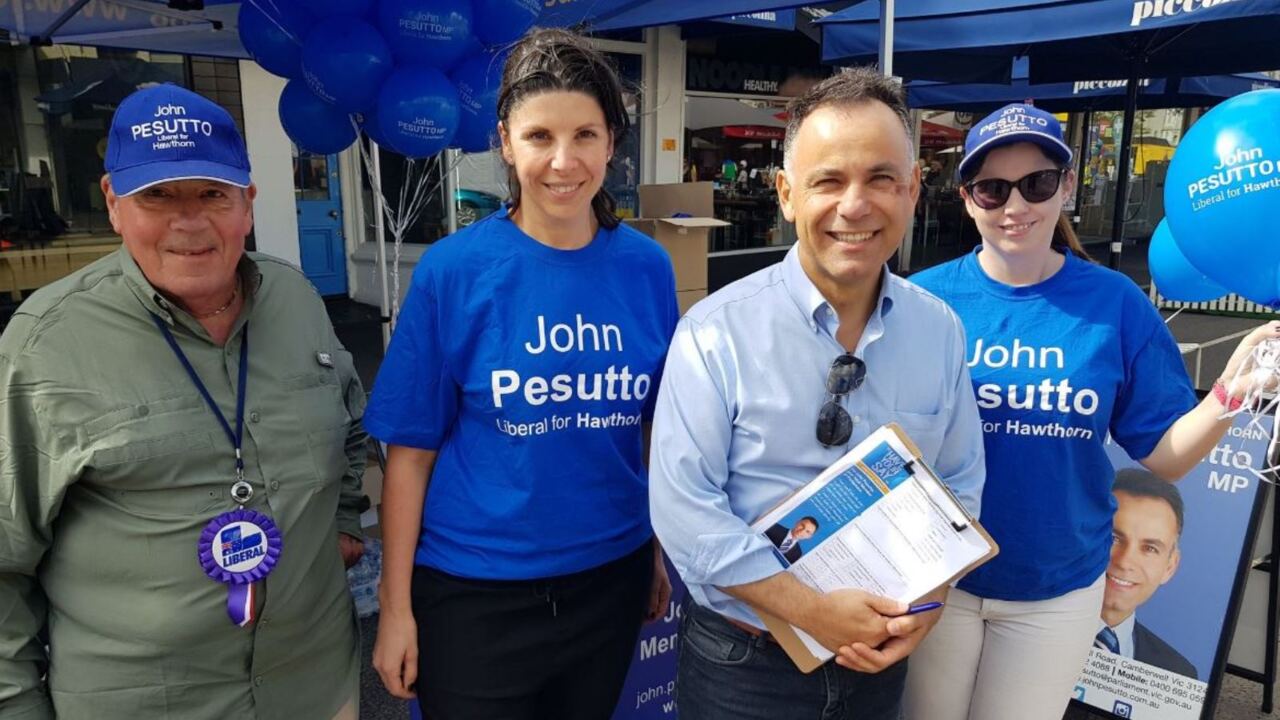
(834, 424)
(1037, 187)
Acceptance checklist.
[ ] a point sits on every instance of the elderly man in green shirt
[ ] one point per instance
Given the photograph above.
(180, 458)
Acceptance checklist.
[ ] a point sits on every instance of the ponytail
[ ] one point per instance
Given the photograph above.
(1065, 239)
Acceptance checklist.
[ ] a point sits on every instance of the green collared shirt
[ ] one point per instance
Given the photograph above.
(111, 464)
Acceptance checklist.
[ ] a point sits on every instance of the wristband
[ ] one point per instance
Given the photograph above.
(1220, 394)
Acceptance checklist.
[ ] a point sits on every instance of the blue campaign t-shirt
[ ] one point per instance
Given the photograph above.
(530, 370)
(1055, 367)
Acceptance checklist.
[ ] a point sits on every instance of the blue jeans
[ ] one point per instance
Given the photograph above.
(725, 673)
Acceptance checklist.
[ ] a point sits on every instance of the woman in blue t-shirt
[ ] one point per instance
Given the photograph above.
(518, 560)
(1062, 353)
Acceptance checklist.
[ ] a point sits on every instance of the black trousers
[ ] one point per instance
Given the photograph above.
(551, 649)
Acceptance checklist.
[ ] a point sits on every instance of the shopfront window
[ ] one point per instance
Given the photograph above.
(79, 90)
(56, 105)
(942, 229)
(1155, 135)
(738, 84)
(736, 143)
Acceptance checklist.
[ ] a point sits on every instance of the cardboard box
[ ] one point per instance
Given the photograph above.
(686, 299)
(685, 238)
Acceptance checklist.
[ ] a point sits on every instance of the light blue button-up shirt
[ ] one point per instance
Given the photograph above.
(735, 428)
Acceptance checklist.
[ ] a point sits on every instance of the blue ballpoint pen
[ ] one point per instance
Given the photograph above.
(923, 607)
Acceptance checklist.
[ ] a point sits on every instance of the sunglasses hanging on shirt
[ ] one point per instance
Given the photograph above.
(846, 375)
(1037, 187)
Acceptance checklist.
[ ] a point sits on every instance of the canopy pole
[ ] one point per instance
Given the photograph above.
(46, 38)
(380, 225)
(1086, 124)
(886, 37)
(449, 166)
(1122, 170)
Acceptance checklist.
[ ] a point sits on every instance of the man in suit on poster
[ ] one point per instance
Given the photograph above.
(788, 541)
(1144, 556)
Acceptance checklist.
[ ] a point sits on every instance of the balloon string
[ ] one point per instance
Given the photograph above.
(1260, 375)
(275, 17)
(401, 215)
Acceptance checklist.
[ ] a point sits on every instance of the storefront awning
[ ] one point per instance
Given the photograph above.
(933, 135)
(754, 132)
(133, 24)
(624, 14)
(153, 25)
(714, 112)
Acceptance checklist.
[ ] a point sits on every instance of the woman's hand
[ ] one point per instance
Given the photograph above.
(395, 652)
(660, 590)
(1238, 377)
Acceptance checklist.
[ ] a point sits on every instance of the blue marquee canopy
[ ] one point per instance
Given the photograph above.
(153, 25)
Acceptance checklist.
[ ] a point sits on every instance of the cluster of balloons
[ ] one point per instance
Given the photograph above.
(419, 75)
(1223, 184)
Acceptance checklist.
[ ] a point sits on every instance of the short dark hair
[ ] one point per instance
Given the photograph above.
(551, 59)
(1143, 484)
(849, 87)
(811, 519)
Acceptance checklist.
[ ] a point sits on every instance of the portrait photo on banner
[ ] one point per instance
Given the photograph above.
(1179, 558)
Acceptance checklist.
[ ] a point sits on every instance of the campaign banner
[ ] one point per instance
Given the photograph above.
(1179, 556)
(649, 692)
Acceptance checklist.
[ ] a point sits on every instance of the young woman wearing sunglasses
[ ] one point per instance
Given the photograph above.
(1061, 352)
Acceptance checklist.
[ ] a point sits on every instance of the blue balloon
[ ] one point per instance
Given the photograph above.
(418, 111)
(433, 32)
(344, 61)
(274, 37)
(477, 78)
(334, 8)
(1175, 277)
(473, 47)
(369, 124)
(1221, 193)
(312, 123)
(505, 20)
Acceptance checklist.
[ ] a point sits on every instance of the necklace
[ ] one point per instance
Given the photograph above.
(205, 316)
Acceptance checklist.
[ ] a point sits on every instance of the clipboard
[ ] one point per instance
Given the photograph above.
(942, 499)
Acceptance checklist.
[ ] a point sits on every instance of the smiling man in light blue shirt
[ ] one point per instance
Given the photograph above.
(773, 378)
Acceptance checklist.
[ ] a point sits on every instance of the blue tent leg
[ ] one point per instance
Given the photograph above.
(46, 38)
(1122, 169)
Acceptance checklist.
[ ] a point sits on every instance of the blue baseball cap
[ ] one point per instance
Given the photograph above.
(164, 132)
(1014, 124)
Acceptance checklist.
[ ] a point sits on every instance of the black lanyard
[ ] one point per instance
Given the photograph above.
(237, 437)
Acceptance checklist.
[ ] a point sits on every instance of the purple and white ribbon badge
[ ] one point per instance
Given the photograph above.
(238, 548)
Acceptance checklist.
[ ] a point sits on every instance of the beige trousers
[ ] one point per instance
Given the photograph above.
(1000, 660)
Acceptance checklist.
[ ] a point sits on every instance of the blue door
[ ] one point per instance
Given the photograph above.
(320, 240)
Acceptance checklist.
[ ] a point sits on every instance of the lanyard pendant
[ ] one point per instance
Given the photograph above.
(241, 491)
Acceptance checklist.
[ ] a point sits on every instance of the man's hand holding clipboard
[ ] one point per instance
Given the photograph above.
(890, 533)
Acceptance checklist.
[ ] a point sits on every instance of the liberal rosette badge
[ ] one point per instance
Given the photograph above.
(238, 548)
